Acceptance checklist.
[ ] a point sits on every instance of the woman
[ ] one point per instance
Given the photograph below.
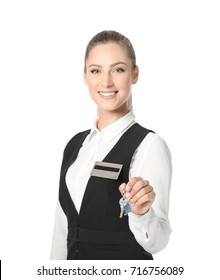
(116, 158)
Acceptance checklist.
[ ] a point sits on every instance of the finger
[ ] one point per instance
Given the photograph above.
(140, 184)
(143, 199)
(131, 183)
(140, 193)
(122, 188)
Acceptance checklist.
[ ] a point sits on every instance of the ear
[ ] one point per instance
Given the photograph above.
(85, 80)
(135, 75)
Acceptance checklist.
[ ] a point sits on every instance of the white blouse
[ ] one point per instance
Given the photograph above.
(151, 161)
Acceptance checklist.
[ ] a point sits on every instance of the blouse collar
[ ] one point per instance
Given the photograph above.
(113, 130)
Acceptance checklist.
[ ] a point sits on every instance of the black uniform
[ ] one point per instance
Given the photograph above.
(97, 232)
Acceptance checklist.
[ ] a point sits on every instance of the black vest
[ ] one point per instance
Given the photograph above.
(98, 232)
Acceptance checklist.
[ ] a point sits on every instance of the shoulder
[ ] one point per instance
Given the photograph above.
(153, 143)
(77, 139)
(151, 137)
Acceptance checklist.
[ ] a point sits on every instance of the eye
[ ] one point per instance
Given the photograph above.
(95, 71)
(119, 70)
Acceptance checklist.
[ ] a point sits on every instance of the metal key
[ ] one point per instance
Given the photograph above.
(122, 202)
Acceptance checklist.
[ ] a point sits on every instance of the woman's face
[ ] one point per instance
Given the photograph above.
(109, 77)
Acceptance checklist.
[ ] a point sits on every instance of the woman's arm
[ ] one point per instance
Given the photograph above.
(151, 162)
(59, 243)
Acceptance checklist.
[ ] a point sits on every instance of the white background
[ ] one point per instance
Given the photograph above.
(44, 102)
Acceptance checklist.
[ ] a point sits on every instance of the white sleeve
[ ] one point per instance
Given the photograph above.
(59, 243)
(152, 162)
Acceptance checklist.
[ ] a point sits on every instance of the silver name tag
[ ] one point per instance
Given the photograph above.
(106, 170)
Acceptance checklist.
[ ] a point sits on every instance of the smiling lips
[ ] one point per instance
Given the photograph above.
(107, 93)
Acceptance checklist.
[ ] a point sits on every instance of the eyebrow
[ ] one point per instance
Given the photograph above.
(112, 65)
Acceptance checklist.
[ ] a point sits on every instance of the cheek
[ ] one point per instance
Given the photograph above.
(126, 83)
(91, 83)
(89, 80)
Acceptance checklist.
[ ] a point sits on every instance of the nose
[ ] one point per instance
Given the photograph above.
(107, 80)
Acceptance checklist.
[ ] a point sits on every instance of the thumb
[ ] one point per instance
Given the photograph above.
(122, 188)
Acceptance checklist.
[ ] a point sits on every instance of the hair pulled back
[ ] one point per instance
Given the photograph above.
(111, 36)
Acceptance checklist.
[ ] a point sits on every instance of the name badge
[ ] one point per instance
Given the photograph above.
(106, 170)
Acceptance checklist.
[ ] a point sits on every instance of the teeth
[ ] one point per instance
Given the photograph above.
(107, 93)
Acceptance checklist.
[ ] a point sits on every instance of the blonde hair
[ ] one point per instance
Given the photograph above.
(111, 36)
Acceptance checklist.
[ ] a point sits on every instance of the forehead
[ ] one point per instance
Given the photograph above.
(108, 52)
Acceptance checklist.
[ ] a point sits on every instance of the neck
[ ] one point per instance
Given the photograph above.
(107, 118)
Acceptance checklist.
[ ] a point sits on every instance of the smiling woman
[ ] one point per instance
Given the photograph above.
(115, 178)
(109, 75)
